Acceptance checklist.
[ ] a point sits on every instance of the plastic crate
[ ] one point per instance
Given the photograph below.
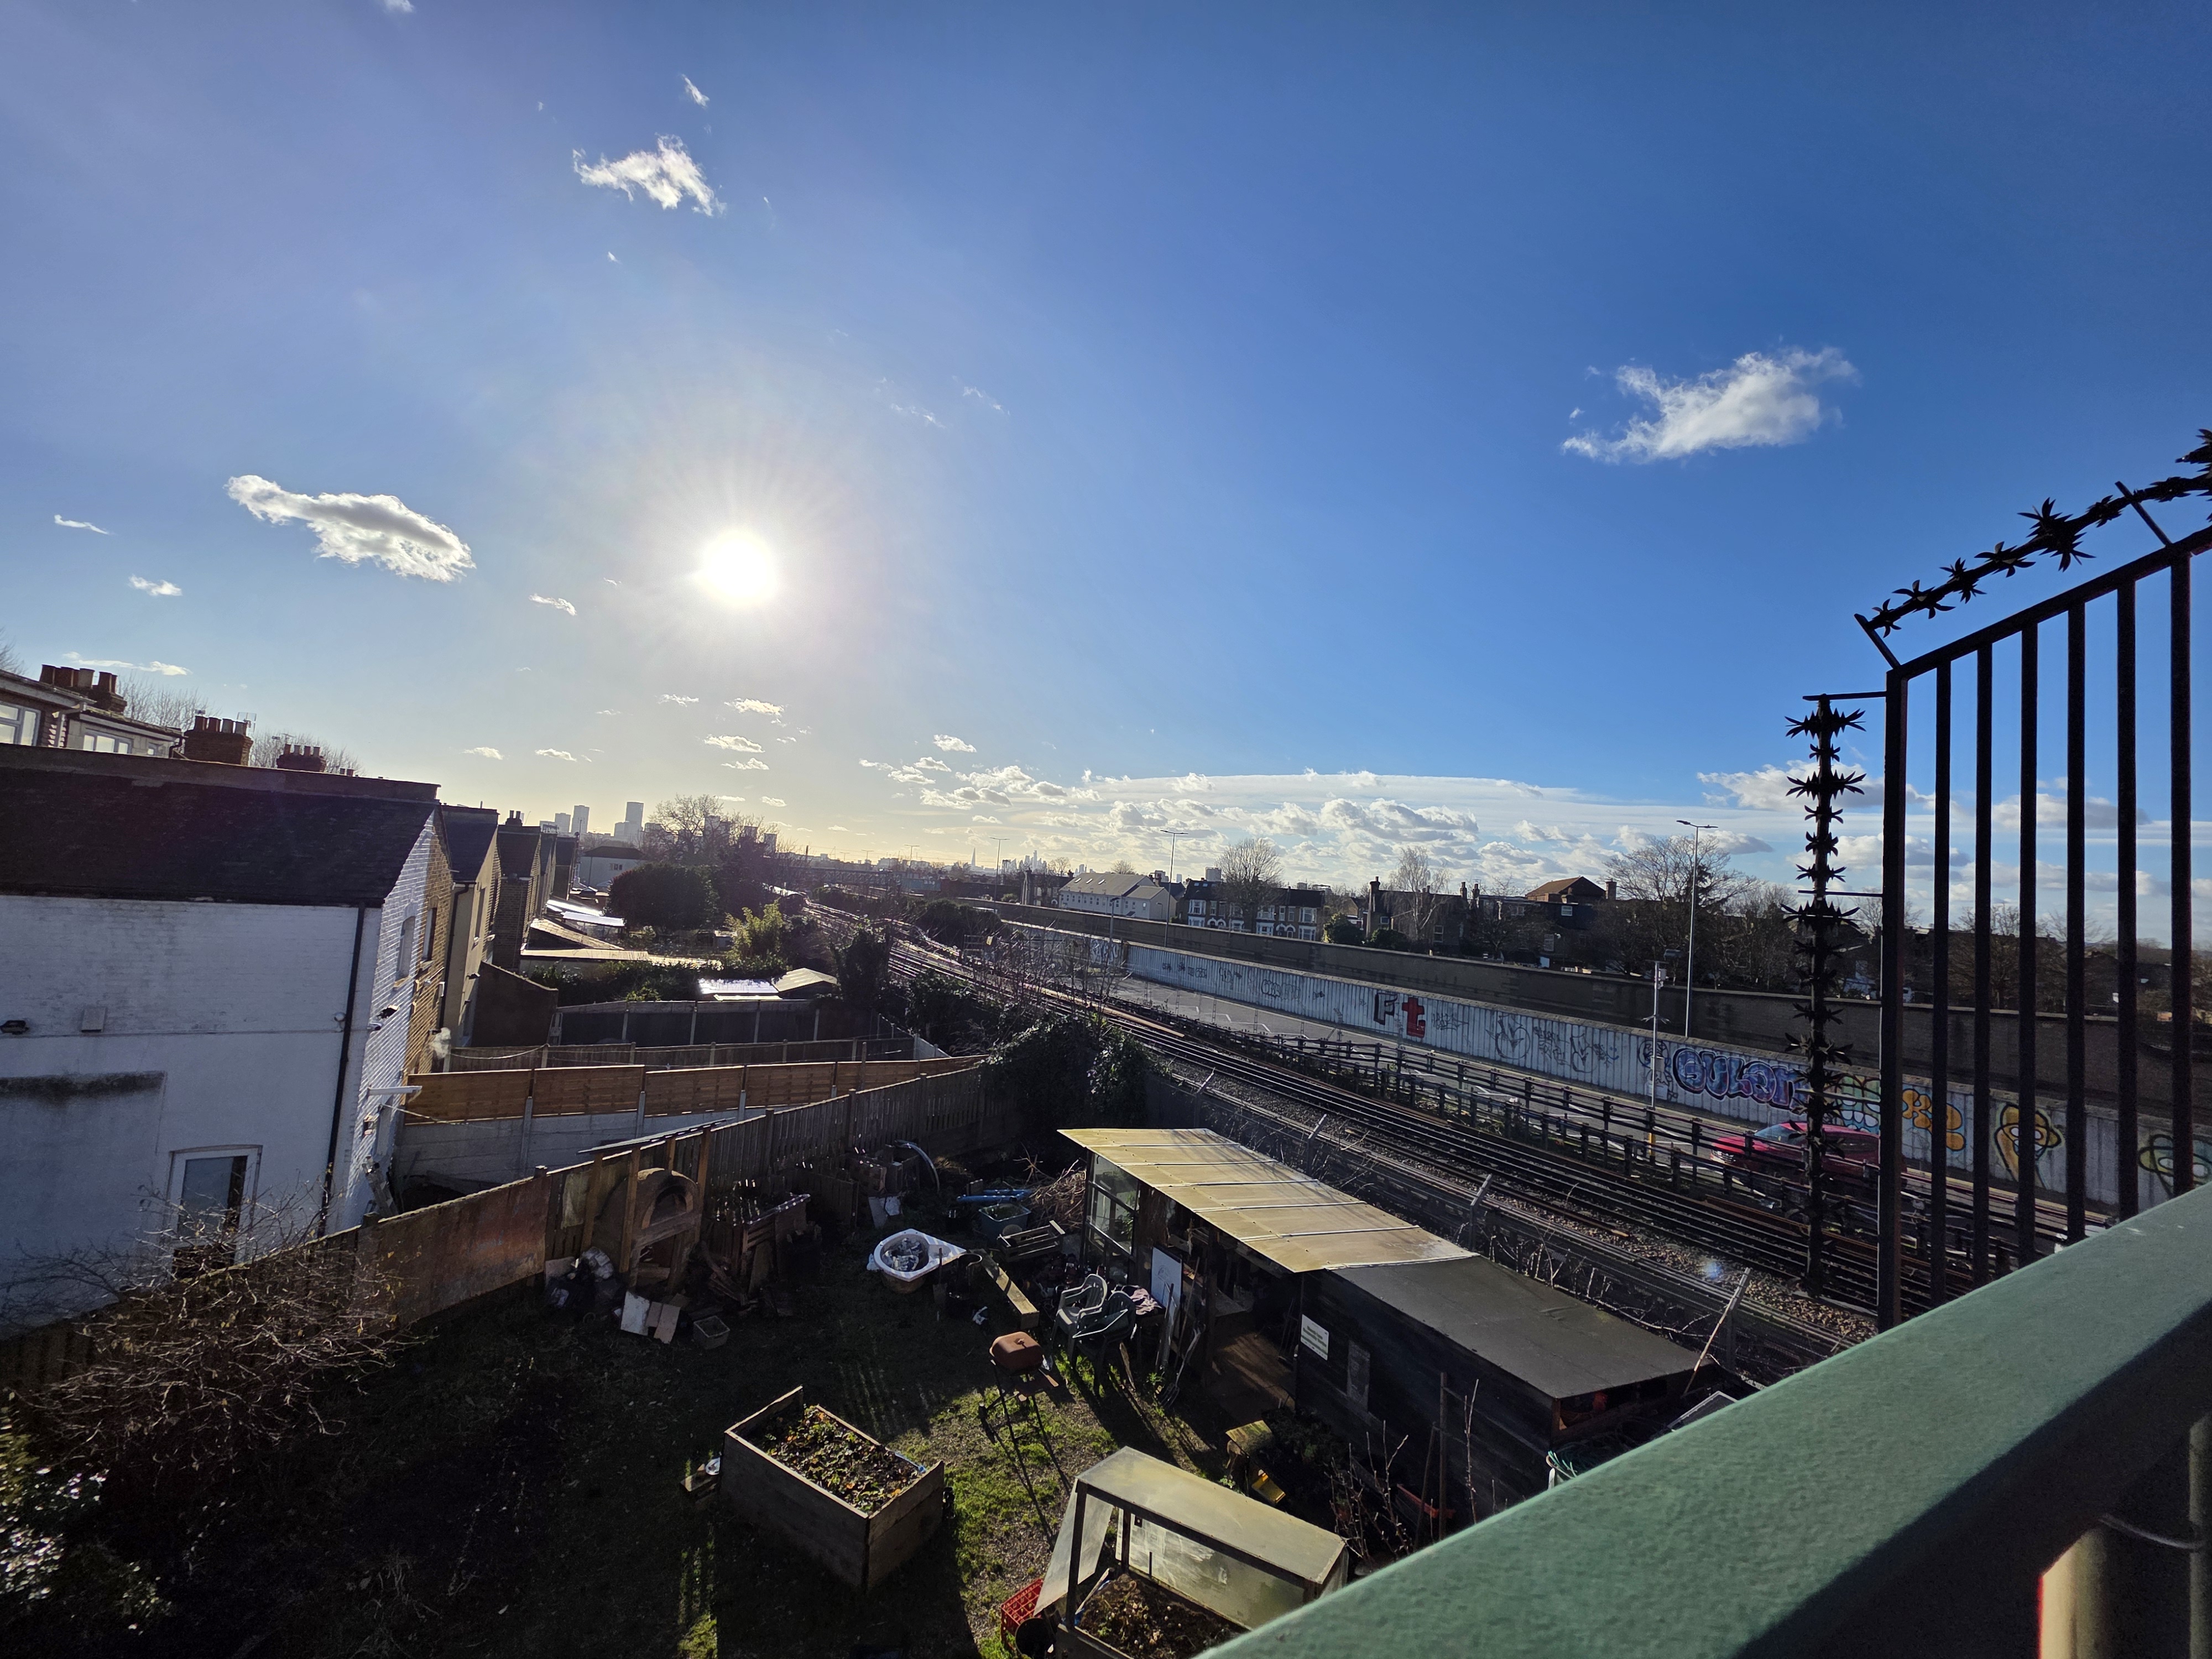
(1017, 1610)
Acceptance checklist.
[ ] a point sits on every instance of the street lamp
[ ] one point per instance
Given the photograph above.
(1173, 837)
(1690, 963)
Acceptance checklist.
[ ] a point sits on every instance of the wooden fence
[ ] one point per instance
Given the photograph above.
(567, 1090)
(439, 1257)
(702, 1053)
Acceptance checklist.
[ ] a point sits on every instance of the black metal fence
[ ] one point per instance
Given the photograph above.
(2106, 713)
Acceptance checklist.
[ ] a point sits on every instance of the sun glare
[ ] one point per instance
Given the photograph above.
(738, 566)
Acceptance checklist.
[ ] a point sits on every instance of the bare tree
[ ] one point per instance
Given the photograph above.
(270, 744)
(198, 1366)
(9, 662)
(1123, 867)
(686, 815)
(1251, 877)
(1415, 879)
(160, 702)
(1653, 885)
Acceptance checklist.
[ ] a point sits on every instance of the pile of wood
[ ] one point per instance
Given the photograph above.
(1059, 1199)
(751, 1256)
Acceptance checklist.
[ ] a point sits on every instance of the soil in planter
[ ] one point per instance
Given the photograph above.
(1146, 1622)
(865, 1474)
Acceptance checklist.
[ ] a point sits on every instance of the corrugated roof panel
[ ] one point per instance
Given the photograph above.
(1301, 1224)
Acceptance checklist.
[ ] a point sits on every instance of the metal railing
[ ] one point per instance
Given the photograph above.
(2019, 637)
(1835, 1513)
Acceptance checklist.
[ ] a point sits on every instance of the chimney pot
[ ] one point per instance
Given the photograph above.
(221, 742)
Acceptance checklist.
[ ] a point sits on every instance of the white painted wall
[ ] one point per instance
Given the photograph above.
(232, 1013)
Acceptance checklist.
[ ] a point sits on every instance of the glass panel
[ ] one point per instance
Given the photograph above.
(1241, 1593)
(212, 1195)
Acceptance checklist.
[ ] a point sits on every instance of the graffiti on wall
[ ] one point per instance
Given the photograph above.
(2156, 1156)
(1750, 1087)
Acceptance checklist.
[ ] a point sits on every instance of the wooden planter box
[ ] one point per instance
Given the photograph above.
(862, 1550)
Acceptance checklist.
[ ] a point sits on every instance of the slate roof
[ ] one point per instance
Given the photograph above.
(146, 828)
(469, 831)
(518, 850)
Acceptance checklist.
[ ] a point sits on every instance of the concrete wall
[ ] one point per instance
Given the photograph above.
(1745, 1085)
(1753, 1020)
(462, 1157)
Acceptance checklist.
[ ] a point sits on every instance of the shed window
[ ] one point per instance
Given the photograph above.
(18, 725)
(1113, 1206)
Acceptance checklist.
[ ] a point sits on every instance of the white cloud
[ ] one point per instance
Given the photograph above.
(78, 524)
(755, 705)
(931, 763)
(983, 397)
(747, 765)
(953, 744)
(1193, 783)
(402, 8)
(610, 711)
(693, 93)
(1756, 400)
(168, 669)
(557, 754)
(159, 590)
(671, 697)
(666, 175)
(982, 817)
(744, 745)
(488, 753)
(379, 529)
(1767, 788)
(771, 800)
(558, 604)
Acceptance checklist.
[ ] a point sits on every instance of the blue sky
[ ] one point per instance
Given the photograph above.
(1129, 395)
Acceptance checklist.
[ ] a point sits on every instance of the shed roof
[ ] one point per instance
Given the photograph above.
(1558, 1345)
(1297, 1223)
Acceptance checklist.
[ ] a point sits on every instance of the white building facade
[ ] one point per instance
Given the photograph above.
(235, 1054)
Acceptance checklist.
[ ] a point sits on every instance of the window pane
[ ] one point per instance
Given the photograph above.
(213, 1191)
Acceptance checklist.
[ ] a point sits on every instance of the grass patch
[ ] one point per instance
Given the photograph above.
(513, 1487)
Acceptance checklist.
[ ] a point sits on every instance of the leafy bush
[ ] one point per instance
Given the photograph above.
(666, 896)
(1389, 939)
(1067, 1071)
(949, 1014)
(762, 949)
(950, 922)
(1344, 931)
(864, 973)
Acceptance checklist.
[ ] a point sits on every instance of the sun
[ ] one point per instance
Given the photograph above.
(740, 566)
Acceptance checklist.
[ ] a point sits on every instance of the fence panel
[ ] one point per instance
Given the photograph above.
(558, 1091)
(462, 1097)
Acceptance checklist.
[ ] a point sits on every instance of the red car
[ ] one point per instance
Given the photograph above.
(1853, 1155)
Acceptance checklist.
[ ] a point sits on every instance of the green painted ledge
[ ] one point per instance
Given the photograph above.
(1900, 1498)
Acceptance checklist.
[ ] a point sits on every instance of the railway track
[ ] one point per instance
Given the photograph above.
(1465, 1150)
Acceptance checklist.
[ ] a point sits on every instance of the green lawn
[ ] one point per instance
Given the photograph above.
(513, 1487)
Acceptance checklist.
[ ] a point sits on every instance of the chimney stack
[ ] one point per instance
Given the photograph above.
(224, 742)
(95, 687)
(301, 757)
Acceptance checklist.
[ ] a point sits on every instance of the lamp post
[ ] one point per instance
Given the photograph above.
(1173, 837)
(1690, 963)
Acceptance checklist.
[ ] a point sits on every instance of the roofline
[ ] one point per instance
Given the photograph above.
(160, 768)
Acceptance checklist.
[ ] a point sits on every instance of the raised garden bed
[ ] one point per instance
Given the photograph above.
(843, 1497)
